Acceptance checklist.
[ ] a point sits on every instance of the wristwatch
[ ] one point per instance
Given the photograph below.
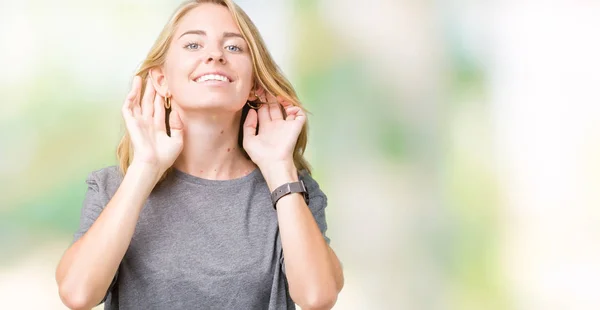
(288, 188)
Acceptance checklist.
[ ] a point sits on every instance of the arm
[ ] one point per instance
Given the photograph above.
(338, 271)
(313, 270)
(89, 265)
(87, 268)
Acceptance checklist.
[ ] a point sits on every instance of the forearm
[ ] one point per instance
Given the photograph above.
(89, 265)
(309, 265)
(337, 270)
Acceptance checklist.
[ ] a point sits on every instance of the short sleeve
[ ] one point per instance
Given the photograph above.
(317, 202)
(94, 202)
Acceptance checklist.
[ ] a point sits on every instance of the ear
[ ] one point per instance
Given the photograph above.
(159, 80)
(255, 92)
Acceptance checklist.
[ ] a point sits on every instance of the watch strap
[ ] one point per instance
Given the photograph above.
(289, 188)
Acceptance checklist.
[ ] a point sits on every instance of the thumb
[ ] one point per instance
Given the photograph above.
(176, 125)
(250, 124)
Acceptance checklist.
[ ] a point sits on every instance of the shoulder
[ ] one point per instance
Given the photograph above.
(105, 180)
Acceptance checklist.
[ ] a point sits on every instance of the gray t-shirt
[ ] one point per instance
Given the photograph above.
(200, 244)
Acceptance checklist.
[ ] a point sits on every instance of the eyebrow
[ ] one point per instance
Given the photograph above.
(203, 33)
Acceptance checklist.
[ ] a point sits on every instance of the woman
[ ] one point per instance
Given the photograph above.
(208, 209)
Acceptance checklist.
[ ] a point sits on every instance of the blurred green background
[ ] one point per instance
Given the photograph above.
(457, 141)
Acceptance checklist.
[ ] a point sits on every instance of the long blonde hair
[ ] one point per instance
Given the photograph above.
(266, 74)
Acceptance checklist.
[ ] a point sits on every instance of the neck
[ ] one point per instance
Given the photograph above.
(210, 146)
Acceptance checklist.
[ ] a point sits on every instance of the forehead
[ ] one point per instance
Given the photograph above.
(212, 18)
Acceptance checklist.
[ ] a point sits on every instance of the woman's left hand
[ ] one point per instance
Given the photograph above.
(275, 141)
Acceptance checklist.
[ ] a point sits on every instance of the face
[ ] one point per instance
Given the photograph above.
(208, 64)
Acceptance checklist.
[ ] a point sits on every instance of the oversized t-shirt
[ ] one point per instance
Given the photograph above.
(200, 244)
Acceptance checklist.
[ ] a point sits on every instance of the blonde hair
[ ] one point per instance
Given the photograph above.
(266, 74)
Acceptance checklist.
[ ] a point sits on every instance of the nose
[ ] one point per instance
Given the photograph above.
(215, 55)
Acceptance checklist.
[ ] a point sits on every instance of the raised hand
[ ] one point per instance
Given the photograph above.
(274, 144)
(145, 123)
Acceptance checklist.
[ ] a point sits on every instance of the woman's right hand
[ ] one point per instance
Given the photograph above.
(145, 123)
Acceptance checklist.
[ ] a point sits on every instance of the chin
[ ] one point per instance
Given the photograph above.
(214, 104)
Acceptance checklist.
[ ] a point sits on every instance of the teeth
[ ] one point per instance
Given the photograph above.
(214, 77)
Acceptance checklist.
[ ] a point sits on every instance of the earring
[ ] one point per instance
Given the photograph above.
(251, 106)
(253, 93)
(167, 102)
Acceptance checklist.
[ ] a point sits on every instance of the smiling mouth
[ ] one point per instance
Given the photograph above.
(212, 77)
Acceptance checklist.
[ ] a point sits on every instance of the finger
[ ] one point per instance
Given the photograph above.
(284, 102)
(137, 110)
(159, 113)
(147, 105)
(275, 111)
(127, 113)
(134, 92)
(131, 98)
(250, 124)
(300, 115)
(176, 125)
(263, 114)
(292, 112)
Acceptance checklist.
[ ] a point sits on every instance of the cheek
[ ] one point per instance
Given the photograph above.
(246, 74)
(179, 68)
(247, 67)
(179, 62)
(177, 72)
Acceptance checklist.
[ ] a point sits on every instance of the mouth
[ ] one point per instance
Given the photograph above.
(213, 77)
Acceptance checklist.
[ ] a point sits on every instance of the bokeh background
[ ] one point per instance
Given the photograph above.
(458, 141)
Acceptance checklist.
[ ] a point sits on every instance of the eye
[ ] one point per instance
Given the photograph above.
(233, 48)
(192, 46)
